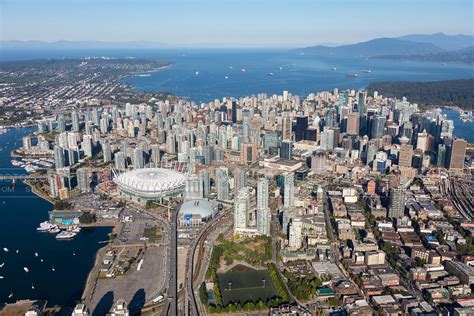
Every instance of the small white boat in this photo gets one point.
(270, 74)
(17, 251)
(226, 77)
(73, 253)
(55, 230)
(281, 68)
(196, 73)
(1, 265)
(243, 70)
(26, 269)
(53, 269)
(45, 226)
(230, 67)
(66, 235)
(5, 249)
(11, 295)
(41, 260)
(334, 69)
(32, 286)
(1, 277)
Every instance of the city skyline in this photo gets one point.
(205, 23)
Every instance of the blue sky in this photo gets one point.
(247, 23)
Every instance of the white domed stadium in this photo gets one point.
(150, 184)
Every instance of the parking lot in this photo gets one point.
(136, 287)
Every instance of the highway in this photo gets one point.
(172, 306)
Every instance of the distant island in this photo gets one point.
(440, 93)
(434, 48)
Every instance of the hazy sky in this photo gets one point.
(257, 23)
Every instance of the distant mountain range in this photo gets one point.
(63, 44)
(436, 47)
(447, 42)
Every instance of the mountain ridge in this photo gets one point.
(374, 47)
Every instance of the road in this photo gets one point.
(172, 306)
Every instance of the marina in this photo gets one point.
(57, 260)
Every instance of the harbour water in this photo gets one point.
(461, 129)
(21, 212)
(201, 75)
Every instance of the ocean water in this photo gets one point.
(21, 212)
(461, 129)
(299, 74)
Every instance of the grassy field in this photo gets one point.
(246, 285)
(153, 234)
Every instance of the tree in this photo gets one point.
(203, 293)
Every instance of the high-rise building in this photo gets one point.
(83, 180)
(405, 155)
(87, 145)
(234, 111)
(104, 125)
(120, 161)
(289, 190)
(106, 152)
(353, 121)
(75, 121)
(318, 161)
(301, 127)
(361, 102)
(240, 180)
(155, 155)
(248, 153)
(206, 182)
(138, 159)
(422, 141)
(59, 160)
(441, 157)
(286, 126)
(193, 187)
(222, 183)
(397, 203)
(295, 232)
(264, 218)
(457, 154)
(262, 193)
(241, 205)
(286, 150)
(378, 126)
(61, 124)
